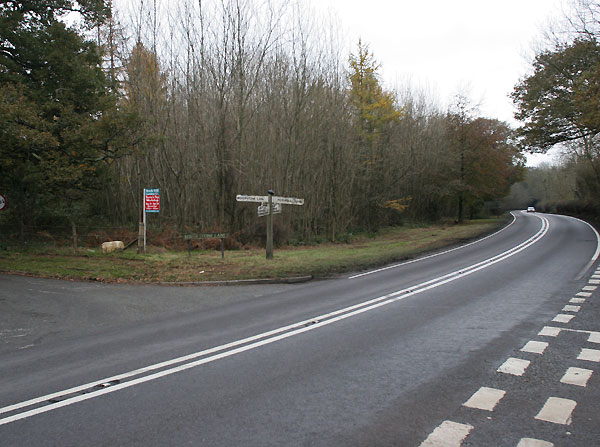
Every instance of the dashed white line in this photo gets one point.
(569, 308)
(485, 399)
(448, 434)
(589, 288)
(536, 347)
(563, 318)
(590, 355)
(594, 337)
(594, 281)
(530, 442)
(514, 366)
(584, 294)
(549, 331)
(577, 376)
(577, 300)
(557, 410)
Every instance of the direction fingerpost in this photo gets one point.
(269, 205)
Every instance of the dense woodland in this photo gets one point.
(207, 100)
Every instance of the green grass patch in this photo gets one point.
(361, 252)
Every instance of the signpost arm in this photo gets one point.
(270, 227)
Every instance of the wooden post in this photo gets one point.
(74, 230)
(140, 247)
(270, 227)
(175, 239)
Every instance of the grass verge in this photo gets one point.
(389, 245)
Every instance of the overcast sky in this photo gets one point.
(478, 47)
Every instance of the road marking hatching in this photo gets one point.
(514, 366)
(590, 355)
(536, 347)
(530, 442)
(557, 410)
(447, 434)
(236, 347)
(563, 318)
(577, 376)
(485, 398)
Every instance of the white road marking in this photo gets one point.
(584, 294)
(530, 442)
(569, 308)
(563, 318)
(485, 399)
(577, 300)
(514, 366)
(256, 341)
(448, 434)
(594, 337)
(589, 288)
(557, 411)
(596, 253)
(594, 281)
(537, 347)
(550, 331)
(577, 376)
(412, 261)
(591, 355)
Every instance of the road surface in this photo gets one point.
(496, 343)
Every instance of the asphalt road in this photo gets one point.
(426, 353)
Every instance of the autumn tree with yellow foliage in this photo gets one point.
(375, 114)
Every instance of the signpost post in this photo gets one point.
(151, 205)
(188, 237)
(272, 206)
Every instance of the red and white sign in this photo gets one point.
(152, 200)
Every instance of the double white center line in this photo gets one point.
(118, 382)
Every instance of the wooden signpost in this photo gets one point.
(270, 205)
(189, 236)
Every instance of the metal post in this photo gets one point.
(222, 248)
(144, 207)
(270, 227)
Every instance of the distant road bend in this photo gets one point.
(384, 357)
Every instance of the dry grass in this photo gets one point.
(159, 265)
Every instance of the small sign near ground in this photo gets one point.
(190, 236)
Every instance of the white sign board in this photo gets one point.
(242, 198)
(263, 210)
(288, 200)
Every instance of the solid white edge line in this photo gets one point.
(347, 312)
(412, 261)
(596, 253)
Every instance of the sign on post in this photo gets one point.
(152, 200)
(2, 202)
(188, 237)
(263, 209)
(269, 205)
(151, 205)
